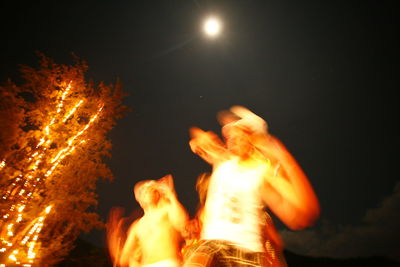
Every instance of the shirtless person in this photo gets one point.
(252, 170)
(155, 238)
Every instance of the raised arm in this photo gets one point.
(115, 237)
(176, 212)
(288, 193)
(207, 145)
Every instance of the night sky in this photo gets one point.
(323, 74)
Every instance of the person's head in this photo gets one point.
(147, 194)
(238, 139)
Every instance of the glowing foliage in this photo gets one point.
(53, 141)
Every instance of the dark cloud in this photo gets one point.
(377, 234)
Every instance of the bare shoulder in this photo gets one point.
(134, 227)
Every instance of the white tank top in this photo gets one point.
(234, 207)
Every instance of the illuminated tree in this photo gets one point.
(52, 148)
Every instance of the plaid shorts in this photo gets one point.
(222, 253)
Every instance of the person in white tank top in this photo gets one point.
(252, 171)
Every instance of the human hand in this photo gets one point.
(206, 144)
(165, 186)
(250, 120)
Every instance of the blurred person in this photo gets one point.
(193, 227)
(273, 244)
(252, 171)
(154, 239)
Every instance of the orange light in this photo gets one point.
(43, 162)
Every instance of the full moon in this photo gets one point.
(212, 27)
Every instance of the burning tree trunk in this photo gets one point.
(53, 141)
